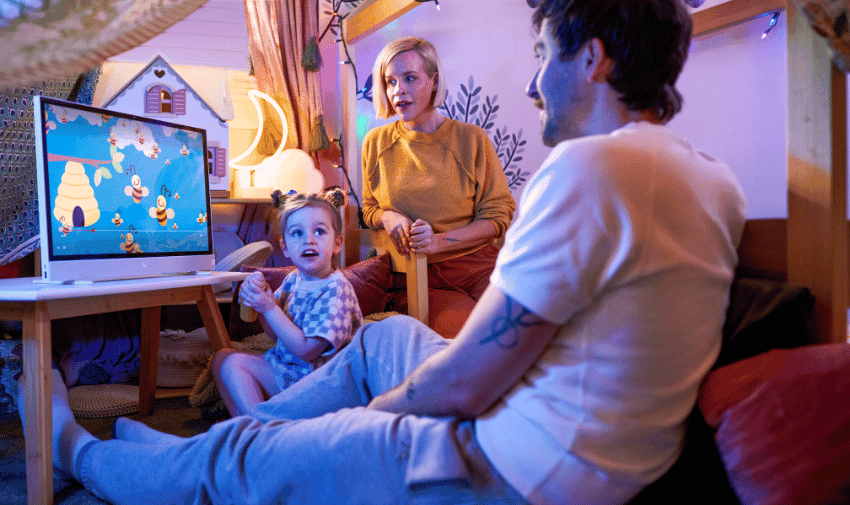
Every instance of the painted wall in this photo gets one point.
(734, 86)
(214, 36)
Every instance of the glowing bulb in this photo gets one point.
(771, 24)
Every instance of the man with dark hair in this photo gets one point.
(572, 378)
(647, 58)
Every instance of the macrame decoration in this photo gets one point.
(310, 59)
(19, 226)
(318, 136)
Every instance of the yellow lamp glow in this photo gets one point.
(286, 169)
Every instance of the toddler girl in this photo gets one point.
(311, 316)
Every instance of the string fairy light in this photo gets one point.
(770, 26)
(436, 2)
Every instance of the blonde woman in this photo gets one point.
(435, 184)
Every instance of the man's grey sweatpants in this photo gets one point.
(315, 443)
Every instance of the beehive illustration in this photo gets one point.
(75, 204)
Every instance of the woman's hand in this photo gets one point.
(398, 228)
(422, 238)
(257, 294)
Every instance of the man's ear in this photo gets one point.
(598, 65)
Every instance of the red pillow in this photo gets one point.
(370, 279)
(783, 424)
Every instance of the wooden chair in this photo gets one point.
(415, 267)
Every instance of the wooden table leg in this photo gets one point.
(37, 410)
(149, 358)
(213, 322)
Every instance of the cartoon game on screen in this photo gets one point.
(122, 185)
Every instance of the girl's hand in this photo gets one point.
(257, 294)
(256, 279)
(422, 238)
(398, 228)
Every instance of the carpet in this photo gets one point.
(171, 415)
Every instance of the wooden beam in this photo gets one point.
(763, 250)
(733, 12)
(817, 176)
(372, 15)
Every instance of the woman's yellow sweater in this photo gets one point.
(448, 178)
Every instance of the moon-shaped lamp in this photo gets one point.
(286, 169)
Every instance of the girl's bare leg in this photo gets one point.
(243, 380)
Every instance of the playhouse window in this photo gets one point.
(160, 99)
(211, 160)
(164, 100)
(216, 161)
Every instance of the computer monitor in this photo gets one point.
(120, 196)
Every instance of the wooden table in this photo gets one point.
(35, 304)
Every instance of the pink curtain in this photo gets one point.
(277, 33)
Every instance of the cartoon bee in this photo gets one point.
(117, 219)
(175, 226)
(66, 229)
(136, 190)
(64, 118)
(105, 118)
(112, 140)
(167, 162)
(129, 245)
(184, 151)
(138, 131)
(176, 196)
(160, 213)
(154, 151)
(202, 218)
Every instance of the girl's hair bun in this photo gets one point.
(335, 195)
(279, 198)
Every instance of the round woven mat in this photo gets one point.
(103, 400)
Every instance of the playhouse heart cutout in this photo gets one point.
(159, 73)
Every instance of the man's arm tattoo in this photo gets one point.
(410, 390)
(505, 328)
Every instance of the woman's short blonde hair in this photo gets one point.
(383, 107)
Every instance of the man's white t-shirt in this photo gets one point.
(628, 241)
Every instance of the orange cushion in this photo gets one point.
(447, 309)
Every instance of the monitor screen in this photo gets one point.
(115, 186)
